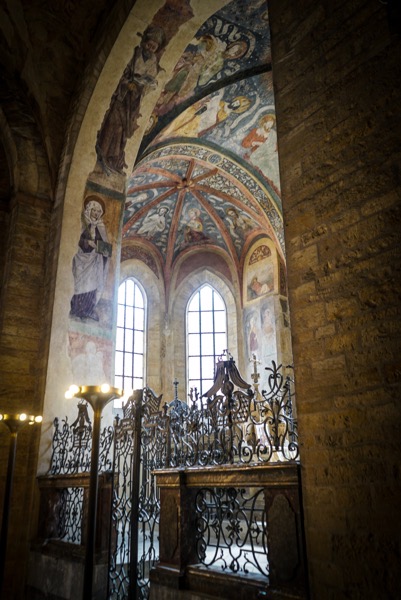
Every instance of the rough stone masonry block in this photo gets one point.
(334, 81)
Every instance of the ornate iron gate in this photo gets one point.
(232, 424)
(241, 426)
(140, 447)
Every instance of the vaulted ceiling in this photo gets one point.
(206, 174)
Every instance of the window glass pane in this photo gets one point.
(137, 383)
(211, 322)
(118, 382)
(207, 321)
(139, 318)
(138, 364)
(207, 367)
(207, 344)
(206, 298)
(130, 336)
(128, 340)
(127, 364)
(218, 302)
(119, 363)
(139, 302)
(194, 304)
(193, 344)
(193, 322)
(139, 337)
(127, 384)
(130, 288)
(220, 343)
(129, 317)
(194, 367)
(120, 339)
(220, 322)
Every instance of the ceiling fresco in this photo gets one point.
(183, 196)
(223, 49)
(207, 174)
(239, 117)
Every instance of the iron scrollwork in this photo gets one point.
(231, 530)
(233, 423)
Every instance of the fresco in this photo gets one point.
(90, 359)
(241, 117)
(91, 303)
(139, 77)
(196, 228)
(260, 336)
(259, 274)
(230, 42)
(120, 120)
(90, 264)
(260, 328)
(183, 202)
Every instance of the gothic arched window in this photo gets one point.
(130, 337)
(206, 337)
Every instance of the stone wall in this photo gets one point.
(336, 68)
(22, 363)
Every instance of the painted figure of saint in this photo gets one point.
(261, 143)
(258, 135)
(90, 263)
(217, 55)
(253, 344)
(120, 121)
(240, 225)
(227, 108)
(257, 288)
(194, 228)
(154, 222)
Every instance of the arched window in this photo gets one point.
(206, 337)
(130, 338)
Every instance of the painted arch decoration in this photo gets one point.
(185, 195)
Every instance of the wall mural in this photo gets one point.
(139, 77)
(209, 177)
(229, 43)
(91, 261)
(90, 324)
(259, 311)
(90, 358)
(120, 120)
(259, 274)
(241, 117)
(178, 202)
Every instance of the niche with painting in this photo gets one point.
(260, 296)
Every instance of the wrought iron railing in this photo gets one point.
(231, 529)
(232, 424)
(70, 521)
(72, 445)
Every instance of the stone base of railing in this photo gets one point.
(180, 573)
(56, 566)
(198, 583)
(56, 572)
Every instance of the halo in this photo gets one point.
(94, 198)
